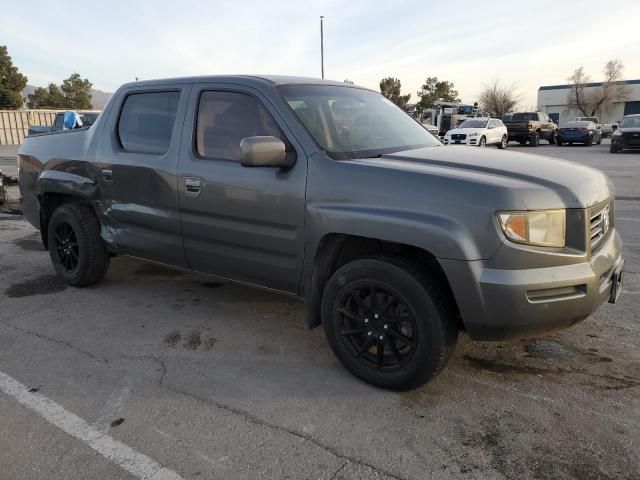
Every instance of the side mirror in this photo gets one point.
(614, 127)
(264, 151)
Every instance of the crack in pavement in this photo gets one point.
(246, 416)
(250, 418)
(338, 470)
(65, 343)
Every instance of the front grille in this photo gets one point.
(632, 138)
(600, 224)
(458, 136)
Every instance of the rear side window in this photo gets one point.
(225, 118)
(146, 122)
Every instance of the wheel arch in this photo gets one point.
(49, 202)
(54, 188)
(337, 249)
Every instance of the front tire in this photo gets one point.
(76, 249)
(388, 323)
(503, 143)
(483, 142)
(613, 149)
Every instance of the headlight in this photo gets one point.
(617, 133)
(545, 228)
(474, 134)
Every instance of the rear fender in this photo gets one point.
(55, 181)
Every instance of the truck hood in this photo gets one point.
(536, 181)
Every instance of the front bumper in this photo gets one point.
(500, 304)
(622, 143)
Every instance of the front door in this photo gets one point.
(137, 161)
(240, 223)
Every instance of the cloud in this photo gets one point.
(467, 42)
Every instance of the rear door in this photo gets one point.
(240, 223)
(137, 160)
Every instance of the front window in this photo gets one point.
(524, 117)
(475, 123)
(348, 122)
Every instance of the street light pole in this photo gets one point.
(321, 45)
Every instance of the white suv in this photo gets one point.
(481, 131)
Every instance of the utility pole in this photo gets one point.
(321, 45)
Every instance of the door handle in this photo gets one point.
(192, 186)
(107, 175)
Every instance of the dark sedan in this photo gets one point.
(627, 135)
(579, 132)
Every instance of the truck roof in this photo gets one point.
(244, 79)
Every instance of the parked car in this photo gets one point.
(394, 241)
(86, 120)
(481, 131)
(605, 129)
(531, 127)
(627, 135)
(576, 131)
(432, 129)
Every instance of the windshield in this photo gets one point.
(630, 122)
(475, 123)
(349, 122)
(524, 117)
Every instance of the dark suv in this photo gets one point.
(627, 135)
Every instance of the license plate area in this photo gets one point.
(617, 281)
(457, 141)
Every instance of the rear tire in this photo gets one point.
(503, 143)
(559, 143)
(589, 142)
(553, 139)
(388, 323)
(76, 249)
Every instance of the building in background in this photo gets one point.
(552, 99)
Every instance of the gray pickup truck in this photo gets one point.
(330, 193)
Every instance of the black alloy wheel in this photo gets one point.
(66, 246)
(377, 326)
(387, 322)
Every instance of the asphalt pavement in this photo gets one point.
(159, 374)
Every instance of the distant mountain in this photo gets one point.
(98, 98)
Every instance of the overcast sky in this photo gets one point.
(466, 42)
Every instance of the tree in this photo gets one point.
(497, 100)
(50, 97)
(433, 90)
(77, 92)
(12, 82)
(391, 88)
(591, 100)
